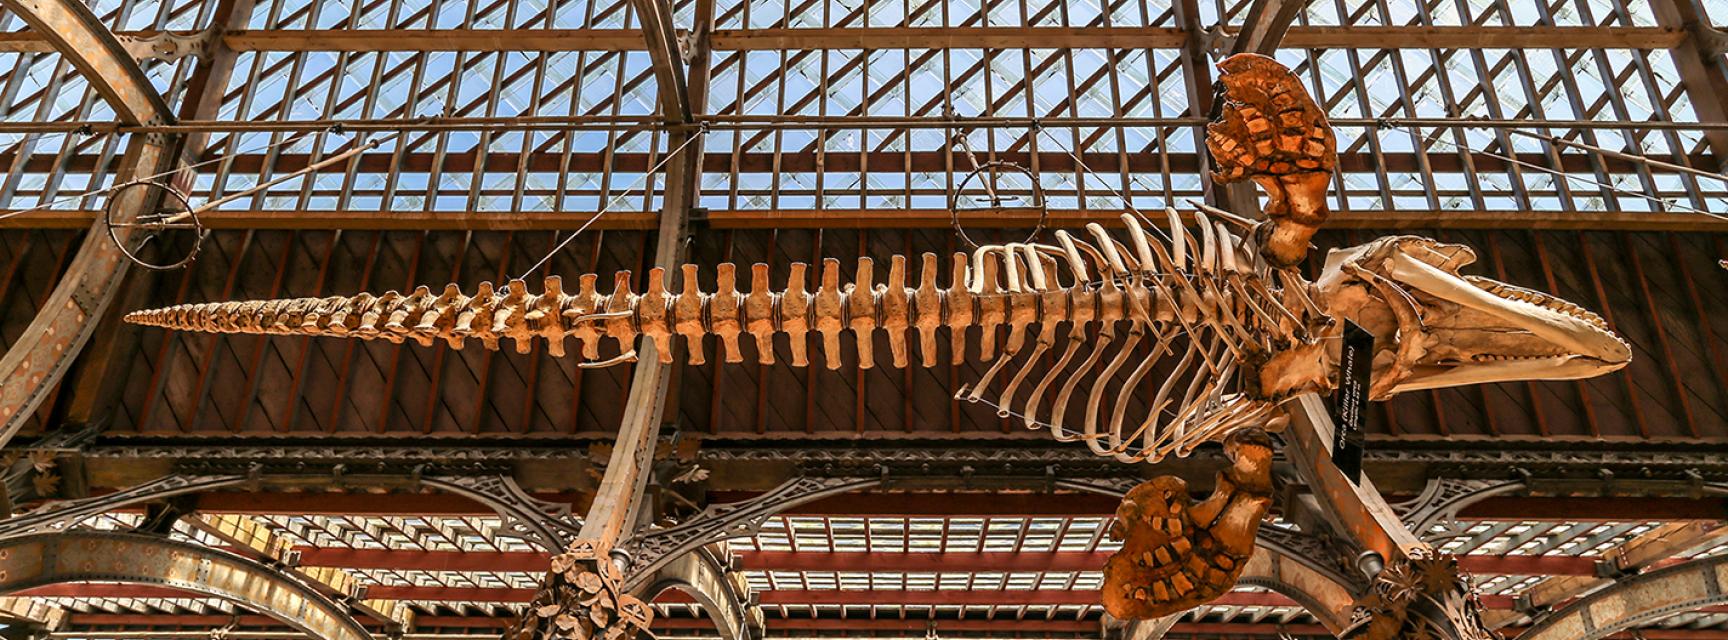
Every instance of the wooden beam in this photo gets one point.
(661, 39)
(210, 77)
(1415, 37)
(1105, 163)
(950, 38)
(474, 40)
(871, 38)
(414, 220)
(1403, 219)
(906, 561)
(1662, 543)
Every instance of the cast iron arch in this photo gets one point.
(1637, 600)
(99, 556)
(703, 576)
(40, 357)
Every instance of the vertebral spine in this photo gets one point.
(1015, 285)
(1204, 297)
(1206, 300)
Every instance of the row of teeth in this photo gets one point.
(1487, 357)
(1543, 300)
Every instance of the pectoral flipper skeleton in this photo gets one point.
(1144, 341)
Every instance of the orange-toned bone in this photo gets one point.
(1271, 131)
(1176, 556)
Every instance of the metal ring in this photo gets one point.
(1037, 199)
(197, 225)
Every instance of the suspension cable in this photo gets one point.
(700, 132)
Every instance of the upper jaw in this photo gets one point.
(1585, 344)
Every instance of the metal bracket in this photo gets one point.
(1216, 42)
(1443, 498)
(548, 525)
(1606, 569)
(166, 46)
(686, 39)
(60, 516)
(1311, 551)
(647, 551)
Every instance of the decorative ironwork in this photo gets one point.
(60, 516)
(404, 456)
(1321, 555)
(1492, 464)
(1030, 459)
(1307, 600)
(167, 46)
(1423, 596)
(1116, 486)
(1442, 500)
(548, 525)
(648, 551)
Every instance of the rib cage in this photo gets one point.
(1201, 296)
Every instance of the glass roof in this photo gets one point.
(1025, 592)
(582, 168)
